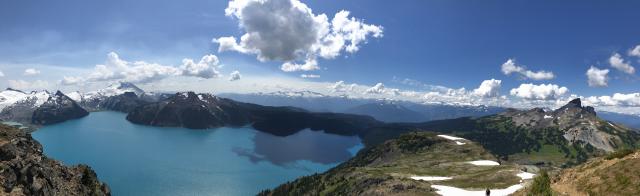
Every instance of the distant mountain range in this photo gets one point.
(16, 105)
(382, 109)
(390, 110)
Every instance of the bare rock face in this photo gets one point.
(579, 123)
(24, 170)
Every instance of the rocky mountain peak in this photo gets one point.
(576, 104)
(59, 94)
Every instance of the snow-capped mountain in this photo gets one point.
(19, 106)
(10, 97)
(114, 89)
(43, 107)
(57, 108)
(121, 96)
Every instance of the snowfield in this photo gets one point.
(452, 138)
(453, 191)
(9, 97)
(526, 175)
(484, 163)
(431, 178)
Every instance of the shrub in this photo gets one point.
(541, 185)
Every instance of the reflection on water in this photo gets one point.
(307, 145)
(144, 160)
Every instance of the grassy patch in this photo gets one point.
(619, 154)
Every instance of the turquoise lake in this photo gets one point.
(143, 160)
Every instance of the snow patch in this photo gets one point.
(431, 178)
(547, 116)
(525, 175)
(75, 95)
(451, 137)
(484, 163)
(453, 191)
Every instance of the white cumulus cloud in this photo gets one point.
(597, 77)
(341, 86)
(635, 51)
(618, 62)
(308, 65)
(289, 31)
(377, 89)
(1, 74)
(235, 75)
(488, 88)
(510, 67)
(618, 99)
(31, 72)
(539, 92)
(117, 69)
(207, 67)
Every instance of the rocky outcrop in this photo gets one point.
(58, 108)
(577, 122)
(24, 170)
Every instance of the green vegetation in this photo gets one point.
(543, 146)
(385, 169)
(541, 185)
(619, 154)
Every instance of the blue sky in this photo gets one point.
(453, 44)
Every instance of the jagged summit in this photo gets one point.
(576, 104)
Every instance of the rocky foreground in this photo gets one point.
(24, 170)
